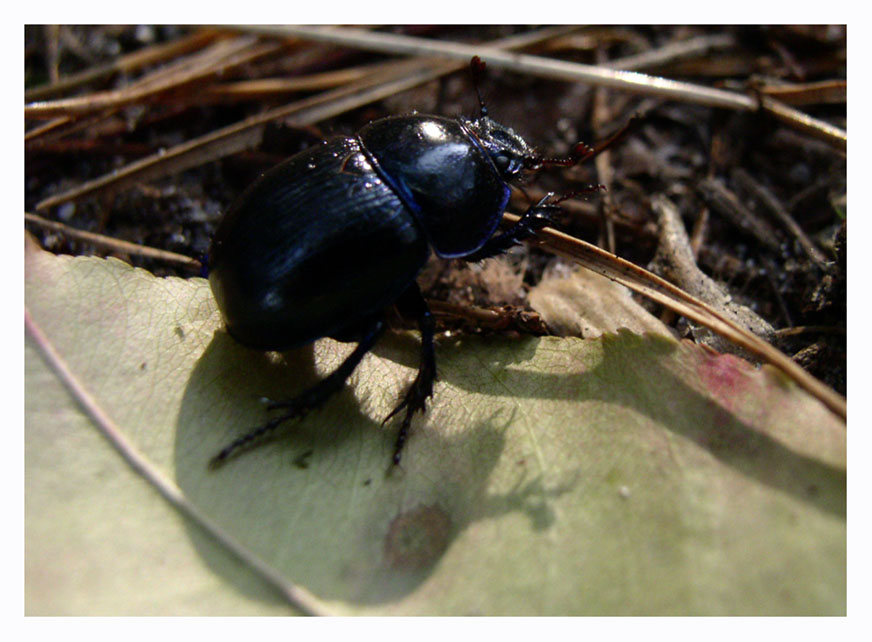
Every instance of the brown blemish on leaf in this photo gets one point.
(417, 538)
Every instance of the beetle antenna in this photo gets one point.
(476, 68)
(590, 189)
(581, 152)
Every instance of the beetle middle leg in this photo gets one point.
(412, 304)
(310, 399)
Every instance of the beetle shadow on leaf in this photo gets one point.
(346, 526)
(445, 489)
(636, 372)
(225, 397)
(746, 448)
(229, 393)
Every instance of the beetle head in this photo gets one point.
(509, 152)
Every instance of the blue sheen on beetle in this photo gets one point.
(323, 243)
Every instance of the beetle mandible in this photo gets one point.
(323, 243)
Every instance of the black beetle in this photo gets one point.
(320, 245)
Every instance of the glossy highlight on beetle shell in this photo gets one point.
(443, 175)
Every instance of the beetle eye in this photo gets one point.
(502, 162)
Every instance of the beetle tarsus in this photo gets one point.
(240, 443)
(414, 401)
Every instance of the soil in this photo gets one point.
(726, 171)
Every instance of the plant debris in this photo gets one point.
(146, 134)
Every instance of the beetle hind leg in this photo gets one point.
(412, 304)
(308, 400)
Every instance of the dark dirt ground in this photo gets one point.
(729, 172)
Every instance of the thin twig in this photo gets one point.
(297, 596)
(725, 202)
(216, 59)
(313, 82)
(767, 198)
(507, 318)
(564, 70)
(825, 92)
(661, 291)
(673, 52)
(601, 115)
(81, 112)
(113, 244)
(396, 77)
(521, 63)
(675, 261)
(248, 133)
(63, 126)
(821, 130)
(809, 329)
(124, 64)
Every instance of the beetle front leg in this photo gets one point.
(534, 219)
(412, 304)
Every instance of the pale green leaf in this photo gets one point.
(621, 475)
